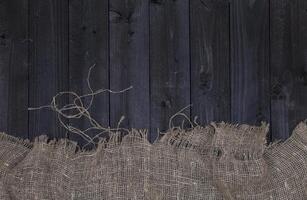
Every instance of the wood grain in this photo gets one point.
(48, 70)
(288, 33)
(242, 61)
(210, 90)
(14, 67)
(250, 79)
(88, 45)
(169, 62)
(129, 62)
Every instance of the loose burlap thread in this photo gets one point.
(217, 161)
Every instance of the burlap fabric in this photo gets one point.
(218, 161)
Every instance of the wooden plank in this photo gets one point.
(169, 62)
(129, 63)
(4, 63)
(250, 79)
(14, 67)
(48, 70)
(210, 80)
(288, 33)
(88, 45)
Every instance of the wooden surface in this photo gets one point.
(210, 60)
(169, 62)
(249, 66)
(48, 63)
(89, 45)
(129, 63)
(288, 43)
(14, 67)
(240, 61)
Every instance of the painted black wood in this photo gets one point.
(14, 67)
(210, 80)
(234, 60)
(250, 72)
(169, 62)
(129, 63)
(48, 68)
(88, 45)
(288, 39)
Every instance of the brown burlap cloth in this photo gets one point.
(218, 161)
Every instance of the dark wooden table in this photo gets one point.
(242, 61)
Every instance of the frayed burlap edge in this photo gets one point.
(176, 137)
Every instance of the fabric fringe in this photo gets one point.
(15, 140)
(175, 137)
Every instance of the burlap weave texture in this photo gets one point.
(218, 161)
